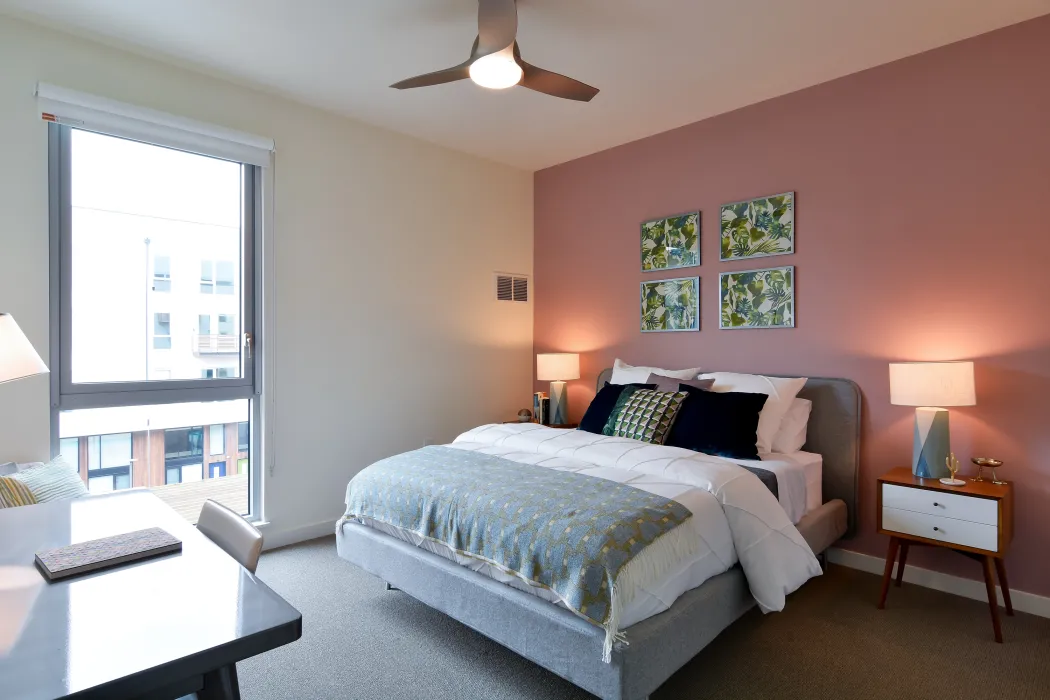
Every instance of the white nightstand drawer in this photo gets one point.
(935, 527)
(950, 505)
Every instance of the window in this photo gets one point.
(69, 448)
(183, 443)
(217, 439)
(216, 469)
(162, 273)
(227, 324)
(183, 474)
(109, 462)
(129, 215)
(162, 331)
(242, 437)
(224, 277)
(183, 455)
(207, 279)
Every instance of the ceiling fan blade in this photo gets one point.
(497, 25)
(449, 75)
(555, 84)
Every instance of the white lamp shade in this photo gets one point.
(932, 384)
(17, 357)
(557, 366)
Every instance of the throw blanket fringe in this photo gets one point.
(654, 563)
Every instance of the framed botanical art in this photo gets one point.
(758, 227)
(757, 298)
(671, 305)
(671, 242)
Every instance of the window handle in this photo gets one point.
(248, 344)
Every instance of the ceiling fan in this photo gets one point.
(496, 63)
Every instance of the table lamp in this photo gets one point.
(929, 386)
(18, 359)
(557, 367)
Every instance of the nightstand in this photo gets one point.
(976, 520)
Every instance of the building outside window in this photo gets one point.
(204, 324)
(162, 273)
(227, 324)
(217, 440)
(224, 277)
(109, 462)
(69, 448)
(162, 331)
(207, 277)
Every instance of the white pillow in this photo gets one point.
(792, 434)
(624, 373)
(781, 393)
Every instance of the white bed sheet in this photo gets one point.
(799, 476)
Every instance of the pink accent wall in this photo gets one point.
(923, 233)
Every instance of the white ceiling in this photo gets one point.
(660, 64)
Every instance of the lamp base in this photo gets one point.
(931, 445)
(559, 404)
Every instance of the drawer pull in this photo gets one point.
(936, 529)
(936, 504)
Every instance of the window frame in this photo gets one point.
(79, 395)
(68, 396)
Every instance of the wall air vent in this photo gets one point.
(512, 287)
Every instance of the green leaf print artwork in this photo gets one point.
(759, 227)
(757, 298)
(671, 305)
(671, 242)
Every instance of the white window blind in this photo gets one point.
(81, 110)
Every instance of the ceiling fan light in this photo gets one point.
(497, 71)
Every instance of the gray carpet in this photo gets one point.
(363, 642)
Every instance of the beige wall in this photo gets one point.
(384, 334)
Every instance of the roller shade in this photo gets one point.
(81, 110)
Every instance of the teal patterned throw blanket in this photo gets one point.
(574, 534)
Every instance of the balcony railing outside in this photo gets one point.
(215, 344)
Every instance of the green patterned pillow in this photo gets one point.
(52, 481)
(617, 409)
(648, 415)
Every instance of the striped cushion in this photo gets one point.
(52, 481)
(648, 415)
(14, 493)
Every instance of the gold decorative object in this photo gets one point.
(953, 466)
(983, 462)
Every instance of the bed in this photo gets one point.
(660, 642)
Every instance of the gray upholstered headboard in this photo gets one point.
(834, 433)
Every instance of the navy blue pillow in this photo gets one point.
(718, 423)
(597, 414)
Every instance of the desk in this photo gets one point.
(159, 628)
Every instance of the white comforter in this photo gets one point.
(735, 517)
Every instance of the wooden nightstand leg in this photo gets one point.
(993, 602)
(891, 555)
(900, 564)
(1000, 568)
